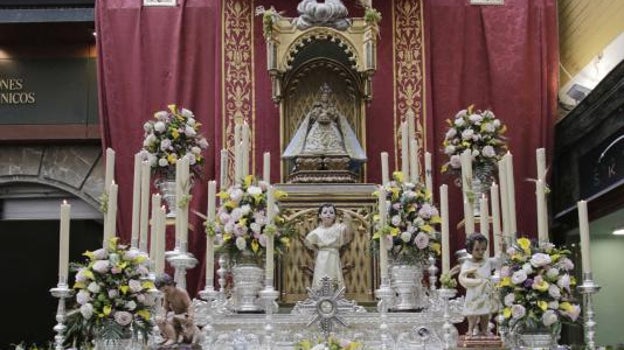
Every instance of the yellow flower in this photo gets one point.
(542, 285)
(124, 289)
(507, 312)
(106, 310)
(144, 313)
(175, 133)
(147, 284)
(436, 248)
(565, 306)
(255, 246)
(172, 158)
(542, 305)
(505, 282)
(525, 244)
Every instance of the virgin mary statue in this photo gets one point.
(325, 132)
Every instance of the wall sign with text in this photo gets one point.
(603, 166)
(48, 91)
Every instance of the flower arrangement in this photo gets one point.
(536, 286)
(333, 343)
(242, 224)
(112, 294)
(411, 221)
(480, 132)
(170, 136)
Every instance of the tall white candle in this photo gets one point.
(405, 151)
(136, 201)
(466, 174)
(212, 189)
(109, 174)
(540, 156)
(428, 173)
(266, 167)
(504, 199)
(584, 232)
(484, 222)
(411, 125)
(383, 250)
(238, 161)
(145, 194)
(385, 175)
(184, 210)
(271, 204)
(154, 226)
(178, 191)
(511, 193)
(64, 242)
(413, 161)
(223, 178)
(111, 214)
(444, 211)
(542, 214)
(246, 148)
(496, 228)
(160, 251)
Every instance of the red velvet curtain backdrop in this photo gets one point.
(149, 57)
(503, 58)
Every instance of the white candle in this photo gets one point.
(136, 201)
(111, 214)
(542, 214)
(385, 175)
(584, 231)
(496, 229)
(212, 194)
(466, 174)
(428, 173)
(446, 259)
(410, 117)
(109, 175)
(405, 151)
(245, 148)
(223, 178)
(64, 242)
(266, 167)
(238, 165)
(484, 222)
(154, 226)
(145, 193)
(159, 262)
(383, 250)
(185, 208)
(271, 204)
(540, 156)
(178, 191)
(511, 193)
(504, 199)
(413, 161)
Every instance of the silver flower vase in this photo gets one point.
(167, 188)
(248, 278)
(527, 338)
(406, 281)
(116, 344)
(482, 178)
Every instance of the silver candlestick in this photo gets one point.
(269, 296)
(61, 292)
(433, 271)
(588, 289)
(449, 329)
(158, 311)
(181, 262)
(385, 294)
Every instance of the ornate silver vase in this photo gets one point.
(247, 284)
(406, 281)
(167, 187)
(116, 344)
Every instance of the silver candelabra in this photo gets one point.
(588, 289)
(62, 292)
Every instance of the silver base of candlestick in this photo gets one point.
(433, 272)
(385, 294)
(269, 298)
(181, 262)
(449, 330)
(588, 289)
(62, 292)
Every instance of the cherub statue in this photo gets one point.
(327, 239)
(177, 325)
(475, 276)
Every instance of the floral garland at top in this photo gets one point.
(170, 136)
(112, 292)
(411, 219)
(536, 286)
(242, 226)
(480, 132)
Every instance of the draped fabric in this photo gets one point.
(503, 58)
(149, 57)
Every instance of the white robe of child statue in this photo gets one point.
(327, 238)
